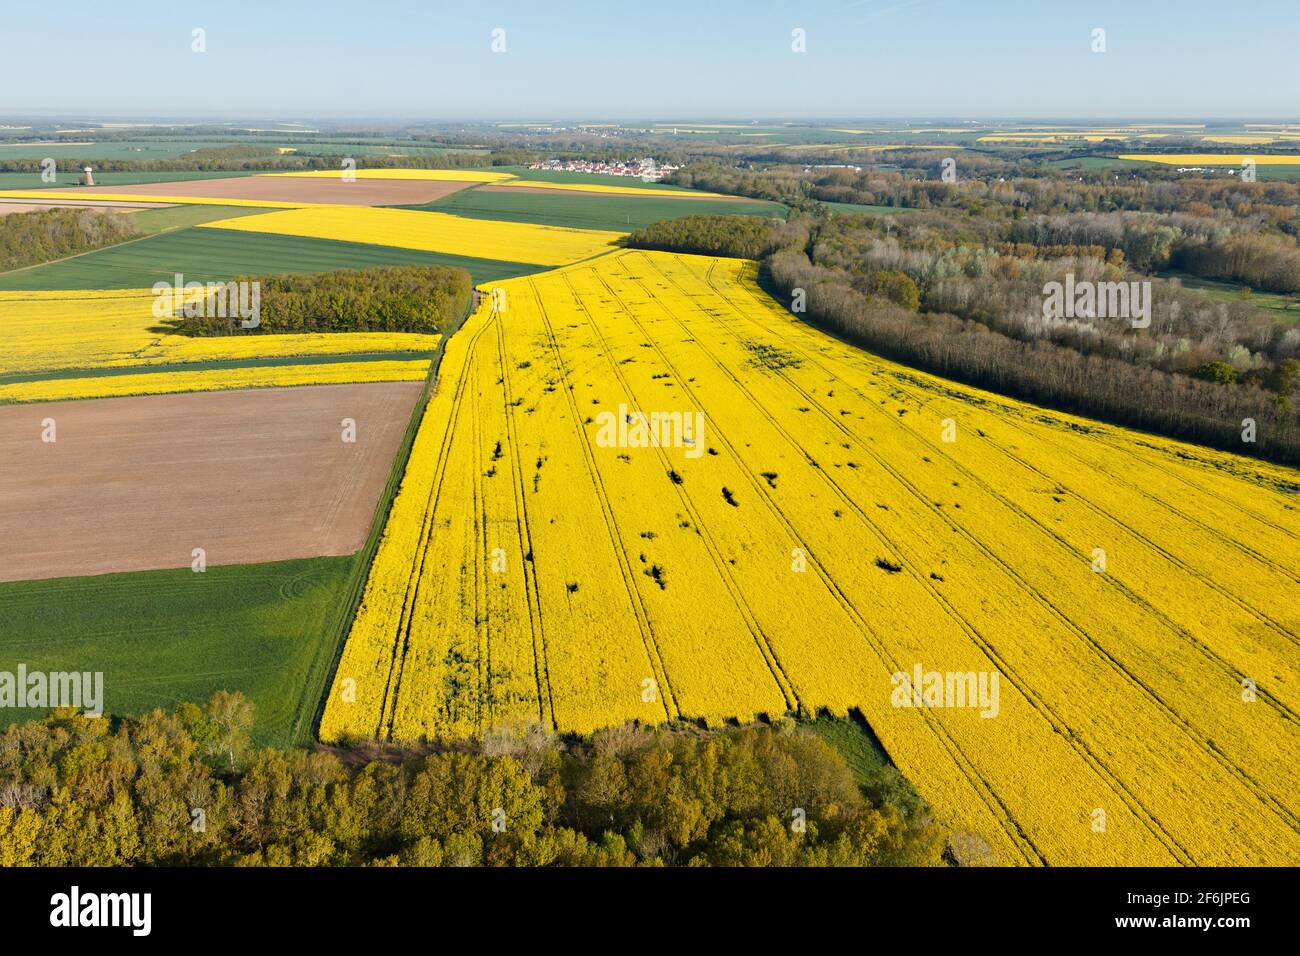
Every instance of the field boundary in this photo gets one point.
(117, 371)
(364, 558)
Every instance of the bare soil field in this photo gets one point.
(305, 189)
(133, 484)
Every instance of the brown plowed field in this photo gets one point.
(304, 189)
(133, 484)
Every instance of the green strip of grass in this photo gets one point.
(150, 222)
(872, 769)
(211, 255)
(163, 637)
(68, 179)
(215, 364)
(593, 211)
(1281, 306)
(85, 146)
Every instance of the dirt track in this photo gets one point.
(362, 192)
(135, 484)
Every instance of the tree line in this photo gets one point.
(31, 237)
(424, 299)
(265, 158)
(1223, 229)
(707, 235)
(186, 788)
(913, 292)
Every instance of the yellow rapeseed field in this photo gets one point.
(1215, 159)
(609, 188)
(65, 333)
(211, 380)
(431, 232)
(1131, 605)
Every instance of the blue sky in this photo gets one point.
(657, 59)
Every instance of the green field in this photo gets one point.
(67, 178)
(163, 637)
(1277, 172)
(592, 211)
(372, 149)
(1262, 170)
(79, 146)
(205, 255)
(150, 222)
(1280, 305)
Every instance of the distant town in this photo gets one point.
(646, 169)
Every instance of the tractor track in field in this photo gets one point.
(654, 656)
(1240, 546)
(1285, 711)
(537, 626)
(482, 628)
(1097, 509)
(988, 794)
(1253, 786)
(1036, 700)
(1053, 435)
(402, 643)
(763, 644)
(1182, 480)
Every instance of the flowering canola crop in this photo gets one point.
(58, 335)
(211, 380)
(837, 520)
(1215, 159)
(431, 232)
(615, 189)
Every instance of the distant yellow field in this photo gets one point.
(1215, 159)
(832, 522)
(442, 175)
(612, 188)
(211, 380)
(432, 232)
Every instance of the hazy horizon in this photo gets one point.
(915, 60)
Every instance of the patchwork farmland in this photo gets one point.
(163, 441)
(484, 556)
